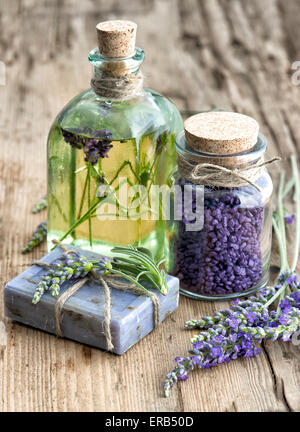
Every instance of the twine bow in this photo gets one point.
(209, 174)
(107, 281)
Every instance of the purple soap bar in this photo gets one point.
(83, 314)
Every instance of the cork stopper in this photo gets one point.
(116, 39)
(221, 132)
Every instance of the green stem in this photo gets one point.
(279, 228)
(54, 199)
(73, 190)
(124, 164)
(278, 293)
(282, 252)
(81, 220)
(83, 196)
(283, 266)
(281, 221)
(153, 168)
(131, 279)
(79, 170)
(297, 221)
(89, 205)
(288, 187)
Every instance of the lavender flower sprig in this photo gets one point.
(237, 331)
(37, 238)
(289, 218)
(249, 306)
(69, 266)
(238, 335)
(135, 265)
(94, 148)
(40, 205)
(205, 355)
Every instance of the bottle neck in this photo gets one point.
(117, 79)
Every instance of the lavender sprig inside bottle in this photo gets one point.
(95, 144)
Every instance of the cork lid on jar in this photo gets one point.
(116, 39)
(220, 132)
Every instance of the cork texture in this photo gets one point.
(221, 132)
(116, 39)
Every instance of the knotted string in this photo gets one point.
(103, 280)
(117, 87)
(209, 174)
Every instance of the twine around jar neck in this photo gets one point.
(118, 88)
(209, 174)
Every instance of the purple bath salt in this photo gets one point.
(224, 257)
(224, 211)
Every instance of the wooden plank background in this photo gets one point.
(203, 54)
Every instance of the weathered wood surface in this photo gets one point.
(202, 53)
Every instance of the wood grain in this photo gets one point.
(202, 54)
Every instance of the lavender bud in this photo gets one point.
(37, 238)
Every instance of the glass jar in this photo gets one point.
(106, 150)
(228, 254)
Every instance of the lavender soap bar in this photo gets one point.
(83, 314)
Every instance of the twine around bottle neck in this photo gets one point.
(117, 87)
(217, 175)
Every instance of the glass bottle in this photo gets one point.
(107, 149)
(227, 254)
